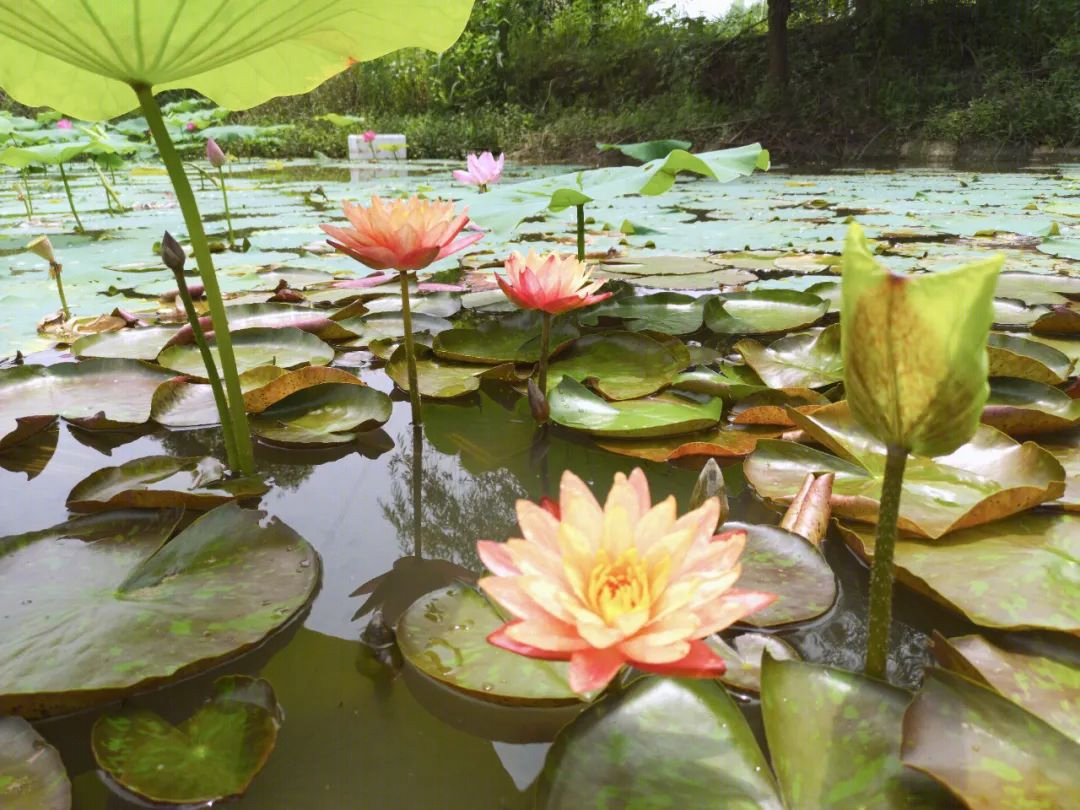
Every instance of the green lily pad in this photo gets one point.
(744, 658)
(575, 406)
(797, 361)
(644, 152)
(986, 479)
(31, 453)
(142, 609)
(668, 312)
(278, 316)
(183, 402)
(989, 751)
(763, 311)
(620, 365)
(131, 344)
(834, 737)
(326, 414)
(1037, 288)
(285, 347)
(1069, 458)
(284, 384)
(1046, 687)
(1012, 356)
(439, 305)
(1018, 573)
(660, 743)
(444, 634)
(213, 755)
(32, 775)
(438, 378)
(729, 381)
(1025, 408)
(778, 561)
(379, 325)
(156, 482)
(510, 338)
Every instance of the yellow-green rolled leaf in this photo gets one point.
(79, 56)
(914, 347)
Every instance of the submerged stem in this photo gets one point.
(410, 348)
(581, 233)
(71, 202)
(545, 348)
(881, 574)
(236, 412)
(225, 198)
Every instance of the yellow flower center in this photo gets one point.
(620, 587)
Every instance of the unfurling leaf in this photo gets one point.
(808, 514)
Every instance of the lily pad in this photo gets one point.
(763, 311)
(986, 479)
(277, 316)
(1060, 320)
(668, 312)
(810, 360)
(781, 562)
(437, 378)
(1025, 408)
(1069, 457)
(662, 742)
(575, 406)
(1046, 687)
(285, 347)
(131, 344)
(326, 414)
(1030, 561)
(32, 775)
(32, 453)
(444, 634)
(257, 400)
(729, 381)
(718, 442)
(775, 406)
(391, 325)
(212, 756)
(183, 402)
(156, 482)
(989, 751)
(620, 365)
(1012, 356)
(744, 657)
(644, 152)
(142, 609)
(511, 338)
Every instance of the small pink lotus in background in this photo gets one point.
(191, 126)
(481, 171)
(369, 136)
(549, 283)
(628, 583)
(63, 123)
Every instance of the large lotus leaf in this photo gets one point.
(239, 53)
(834, 737)
(986, 479)
(32, 775)
(989, 751)
(1046, 687)
(326, 414)
(1025, 408)
(511, 338)
(285, 347)
(719, 442)
(1012, 356)
(760, 312)
(745, 655)
(155, 482)
(1017, 573)
(132, 344)
(213, 755)
(575, 406)
(668, 312)
(438, 378)
(797, 361)
(138, 610)
(620, 365)
(105, 391)
(778, 561)
(444, 634)
(183, 402)
(19, 157)
(644, 152)
(661, 743)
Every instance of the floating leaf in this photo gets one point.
(1060, 320)
(326, 414)
(744, 655)
(285, 347)
(1025, 408)
(213, 755)
(719, 442)
(140, 610)
(183, 402)
(620, 365)
(507, 339)
(775, 406)
(763, 311)
(668, 312)
(727, 380)
(257, 400)
(131, 344)
(797, 361)
(438, 378)
(575, 406)
(30, 453)
(644, 152)
(1069, 458)
(391, 325)
(1012, 356)
(32, 775)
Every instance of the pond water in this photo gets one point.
(358, 733)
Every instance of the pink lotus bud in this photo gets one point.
(369, 136)
(190, 126)
(214, 154)
(63, 123)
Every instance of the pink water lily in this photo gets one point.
(481, 171)
(626, 583)
(369, 136)
(550, 283)
(191, 126)
(63, 123)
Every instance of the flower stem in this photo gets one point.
(71, 202)
(54, 270)
(410, 348)
(211, 368)
(881, 574)
(545, 349)
(28, 201)
(417, 491)
(581, 233)
(225, 198)
(236, 412)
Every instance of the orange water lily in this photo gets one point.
(549, 283)
(628, 583)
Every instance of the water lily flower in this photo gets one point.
(190, 126)
(369, 136)
(481, 171)
(217, 159)
(214, 154)
(626, 583)
(63, 123)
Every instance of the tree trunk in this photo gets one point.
(779, 11)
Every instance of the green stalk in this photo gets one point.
(545, 348)
(410, 348)
(581, 233)
(71, 202)
(881, 574)
(110, 195)
(417, 492)
(54, 270)
(236, 412)
(28, 201)
(211, 368)
(225, 197)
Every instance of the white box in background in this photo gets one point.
(384, 147)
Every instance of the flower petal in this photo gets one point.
(592, 670)
(699, 662)
(500, 638)
(496, 558)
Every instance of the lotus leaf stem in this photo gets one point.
(28, 201)
(54, 271)
(881, 574)
(71, 202)
(225, 199)
(236, 412)
(581, 233)
(410, 348)
(545, 348)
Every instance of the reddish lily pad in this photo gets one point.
(257, 400)
(1026, 408)
(1013, 356)
(773, 407)
(1060, 320)
(32, 775)
(719, 442)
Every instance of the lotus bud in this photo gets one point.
(43, 247)
(214, 154)
(914, 348)
(172, 254)
(710, 484)
(808, 514)
(538, 403)
(369, 136)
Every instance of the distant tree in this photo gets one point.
(778, 13)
